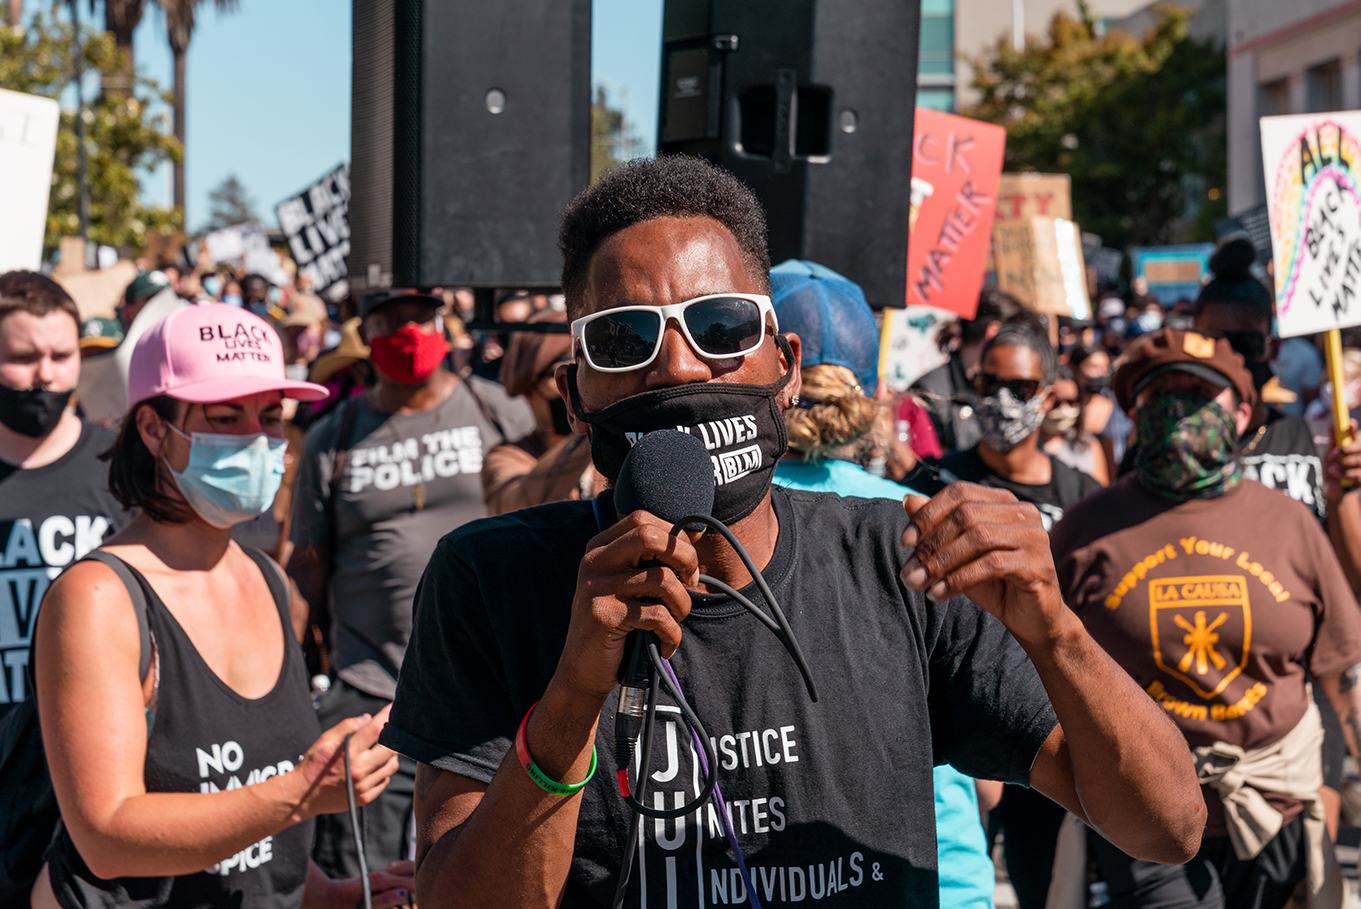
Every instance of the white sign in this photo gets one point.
(28, 142)
(230, 244)
(317, 227)
(1313, 179)
(908, 349)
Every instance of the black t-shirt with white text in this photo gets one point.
(50, 516)
(1066, 486)
(829, 801)
(1281, 454)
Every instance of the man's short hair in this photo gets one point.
(30, 292)
(1023, 334)
(667, 186)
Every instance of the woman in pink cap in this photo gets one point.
(182, 741)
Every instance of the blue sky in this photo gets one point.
(269, 89)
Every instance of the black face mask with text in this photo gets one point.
(742, 426)
(33, 412)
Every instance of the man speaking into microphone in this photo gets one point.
(934, 633)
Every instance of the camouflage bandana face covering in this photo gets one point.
(1006, 421)
(1185, 447)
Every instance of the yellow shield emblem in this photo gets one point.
(1197, 625)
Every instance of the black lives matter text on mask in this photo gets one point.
(30, 557)
(718, 435)
(684, 862)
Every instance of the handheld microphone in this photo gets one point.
(668, 474)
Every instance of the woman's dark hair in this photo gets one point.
(1233, 282)
(136, 476)
(1081, 353)
(1023, 334)
(993, 306)
(667, 186)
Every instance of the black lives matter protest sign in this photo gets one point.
(1313, 178)
(316, 224)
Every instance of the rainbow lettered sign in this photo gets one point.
(1313, 179)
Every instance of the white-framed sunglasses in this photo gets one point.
(718, 326)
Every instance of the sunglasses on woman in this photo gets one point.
(718, 326)
(988, 385)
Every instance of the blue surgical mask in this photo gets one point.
(231, 479)
(212, 285)
(231, 299)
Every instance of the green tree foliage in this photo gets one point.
(1138, 123)
(123, 136)
(229, 203)
(609, 134)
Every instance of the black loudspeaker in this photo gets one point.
(810, 103)
(470, 131)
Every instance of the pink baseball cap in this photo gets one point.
(212, 352)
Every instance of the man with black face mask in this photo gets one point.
(55, 503)
(1013, 384)
(919, 657)
(1222, 600)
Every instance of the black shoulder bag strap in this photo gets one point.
(319, 614)
(486, 411)
(349, 416)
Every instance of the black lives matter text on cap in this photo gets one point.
(240, 342)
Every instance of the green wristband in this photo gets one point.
(541, 779)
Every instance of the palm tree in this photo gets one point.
(120, 20)
(179, 21)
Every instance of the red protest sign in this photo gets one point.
(956, 163)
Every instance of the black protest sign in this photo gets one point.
(316, 225)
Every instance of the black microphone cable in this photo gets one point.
(354, 825)
(631, 715)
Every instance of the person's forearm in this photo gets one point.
(515, 849)
(1131, 770)
(1344, 693)
(1344, 530)
(161, 834)
(552, 479)
(317, 892)
(308, 569)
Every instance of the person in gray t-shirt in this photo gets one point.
(410, 454)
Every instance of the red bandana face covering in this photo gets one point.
(408, 355)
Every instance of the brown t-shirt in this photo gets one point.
(1216, 607)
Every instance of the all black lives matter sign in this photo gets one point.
(317, 226)
(1313, 179)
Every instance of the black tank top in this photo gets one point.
(204, 737)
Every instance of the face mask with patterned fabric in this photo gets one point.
(1184, 447)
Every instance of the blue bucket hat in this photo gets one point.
(829, 314)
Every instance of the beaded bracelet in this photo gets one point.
(540, 778)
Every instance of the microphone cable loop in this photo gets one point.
(660, 676)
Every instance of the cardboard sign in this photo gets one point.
(1039, 262)
(1173, 272)
(907, 344)
(1313, 179)
(28, 142)
(1021, 197)
(955, 166)
(316, 225)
